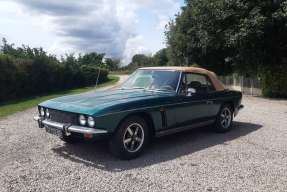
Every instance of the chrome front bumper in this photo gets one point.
(68, 128)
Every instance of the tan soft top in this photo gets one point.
(216, 83)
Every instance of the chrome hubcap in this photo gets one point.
(133, 137)
(225, 118)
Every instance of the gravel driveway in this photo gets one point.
(252, 157)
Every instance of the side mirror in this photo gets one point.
(190, 91)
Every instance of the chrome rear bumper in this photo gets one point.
(238, 109)
(68, 128)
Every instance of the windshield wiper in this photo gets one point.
(133, 88)
(165, 90)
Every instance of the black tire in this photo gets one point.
(127, 143)
(224, 119)
(69, 139)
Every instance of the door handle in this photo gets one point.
(209, 102)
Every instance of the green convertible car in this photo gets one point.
(152, 102)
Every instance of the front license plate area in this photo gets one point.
(54, 131)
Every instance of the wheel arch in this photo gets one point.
(146, 116)
(231, 104)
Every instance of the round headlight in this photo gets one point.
(42, 111)
(47, 113)
(82, 120)
(91, 122)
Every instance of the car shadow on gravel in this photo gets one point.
(161, 150)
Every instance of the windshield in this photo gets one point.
(153, 80)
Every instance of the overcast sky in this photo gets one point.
(119, 28)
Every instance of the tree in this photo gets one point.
(112, 64)
(244, 36)
(93, 58)
(140, 60)
(160, 58)
(230, 35)
(24, 52)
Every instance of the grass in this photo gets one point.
(23, 104)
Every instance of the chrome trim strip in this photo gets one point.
(183, 128)
(79, 129)
(53, 124)
(71, 128)
(239, 108)
(178, 83)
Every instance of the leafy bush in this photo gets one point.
(29, 72)
(274, 83)
(91, 74)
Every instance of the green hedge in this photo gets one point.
(274, 82)
(30, 77)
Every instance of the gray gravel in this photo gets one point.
(252, 157)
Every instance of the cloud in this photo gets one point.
(106, 26)
(165, 11)
(134, 46)
(60, 8)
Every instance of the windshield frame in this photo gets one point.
(155, 90)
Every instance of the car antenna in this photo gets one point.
(98, 77)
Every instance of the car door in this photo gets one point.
(195, 108)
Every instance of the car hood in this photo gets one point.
(93, 102)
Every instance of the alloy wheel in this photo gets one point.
(225, 118)
(133, 137)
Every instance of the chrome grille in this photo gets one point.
(63, 117)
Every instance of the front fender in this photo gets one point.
(111, 121)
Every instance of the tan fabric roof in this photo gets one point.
(217, 84)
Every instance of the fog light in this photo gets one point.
(82, 120)
(91, 122)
